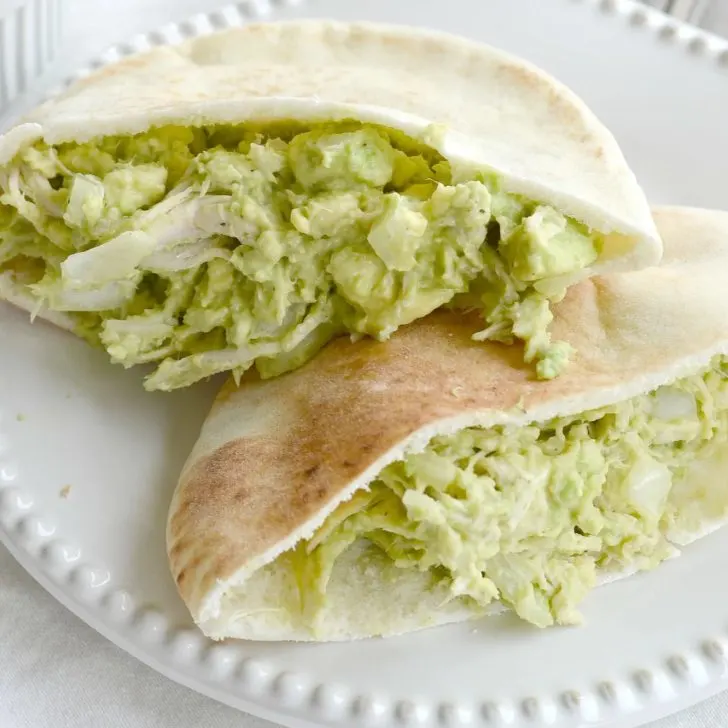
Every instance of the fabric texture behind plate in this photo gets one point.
(30, 34)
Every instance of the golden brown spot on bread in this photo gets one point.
(175, 550)
(134, 63)
(519, 74)
(310, 472)
(241, 497)
(181, 577)
(189, 568)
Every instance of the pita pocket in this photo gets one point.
(387, 487)
(242, 198)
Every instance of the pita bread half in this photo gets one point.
(491, 110)
(275, 458)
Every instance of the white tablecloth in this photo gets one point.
(55, 672)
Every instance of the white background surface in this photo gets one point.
(56, 671)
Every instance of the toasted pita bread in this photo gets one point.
(496, 112)
(275, 458)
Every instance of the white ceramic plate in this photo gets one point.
(653, 644)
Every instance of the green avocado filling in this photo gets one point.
(214, 249)
(528, 515)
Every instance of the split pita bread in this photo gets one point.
(275, 458)
(492, 110)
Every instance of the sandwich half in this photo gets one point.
(239, 200)
(387, 487)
